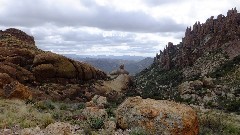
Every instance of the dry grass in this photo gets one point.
(16, 112)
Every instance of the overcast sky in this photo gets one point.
(111, 27)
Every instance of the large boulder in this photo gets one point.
(17, 90)
(50, 65)
(59, 65)
(159, 117)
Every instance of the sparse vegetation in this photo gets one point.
(158, 83)
(227, 67)
(16, 112)
(96, 123)
(219, 123)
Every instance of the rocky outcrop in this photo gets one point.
(23, 62)
(97, 101)
(16, 90)
(157, 116)
(120, 71)
(18, 52)
(114, 89)
(220, 34)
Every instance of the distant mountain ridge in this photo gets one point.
(123, 57)
(107, 64)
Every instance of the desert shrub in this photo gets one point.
(110, 112)
(81, 106)
(226, 67)
(44, 105)
(63, 106)
(233, 105)
(96, 123)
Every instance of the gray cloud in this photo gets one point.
(39, 12)
(161, 2)
(84, 27)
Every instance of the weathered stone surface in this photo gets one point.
(17, 90)
(157, 116)
(16, 72)
(5, 79)
(50, 65)
(59, 65)
(20, 35)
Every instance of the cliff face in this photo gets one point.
(222, 33)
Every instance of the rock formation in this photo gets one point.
(203, 69)
(157, 117)
(21, 61)
(201, 38)
(121, 70)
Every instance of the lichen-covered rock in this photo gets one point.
(157, 117)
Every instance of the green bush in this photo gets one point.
(233, 105)
(44, 105)
(96, 123)
(63, 106)
(81, 106)
(110, 112)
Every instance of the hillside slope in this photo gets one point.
(203, 69)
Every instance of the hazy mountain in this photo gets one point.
(124, 57)
(108, 64)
